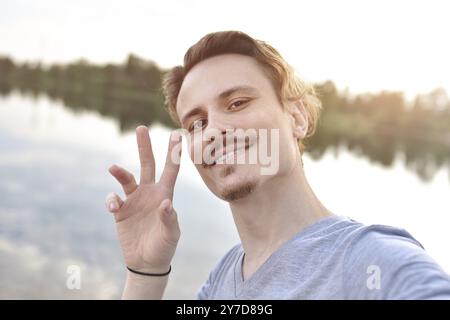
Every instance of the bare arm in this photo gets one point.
(142, 287)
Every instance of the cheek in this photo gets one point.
(283, 144)
(194, 145)
(191, 152)
(268, 116)
(289, 150)
(259, 119)
(279, 133)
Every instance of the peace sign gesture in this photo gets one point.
(146, 222)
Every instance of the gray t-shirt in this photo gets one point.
(334, 258)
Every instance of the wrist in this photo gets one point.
(138, 275)
(150, 274)
(139, 280)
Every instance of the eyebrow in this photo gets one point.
(225, 94)
(222, 96)
(191, 113)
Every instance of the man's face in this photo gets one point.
(221, 96)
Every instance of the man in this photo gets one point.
(292, 247)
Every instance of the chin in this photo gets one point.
(234, 185)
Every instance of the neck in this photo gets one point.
(273, 213)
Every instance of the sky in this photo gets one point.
(359, 45)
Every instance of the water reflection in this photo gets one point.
(424, 154)
(378, 126)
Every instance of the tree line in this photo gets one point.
(377, 125)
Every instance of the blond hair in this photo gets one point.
(287, 85)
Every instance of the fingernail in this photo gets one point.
(113, 206)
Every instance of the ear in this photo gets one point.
(299, 119)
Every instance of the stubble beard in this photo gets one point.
(236, 192)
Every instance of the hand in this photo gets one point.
(146, 222)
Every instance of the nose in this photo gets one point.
(219, 135)
(217, 127)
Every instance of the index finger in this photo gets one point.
(172, 166)
(145, 155)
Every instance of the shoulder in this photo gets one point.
(377, 240)
(381, 243)
(386, 262)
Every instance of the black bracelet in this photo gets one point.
(151, 274)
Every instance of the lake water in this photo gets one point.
(53, 181)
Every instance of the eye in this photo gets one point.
(237, 104)
(196, 125)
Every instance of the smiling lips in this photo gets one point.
(222, 159)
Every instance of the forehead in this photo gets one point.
(209, 78)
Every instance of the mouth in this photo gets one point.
(224, 157)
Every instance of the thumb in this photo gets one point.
(113, 202)
(168, 215)
(169, 222)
